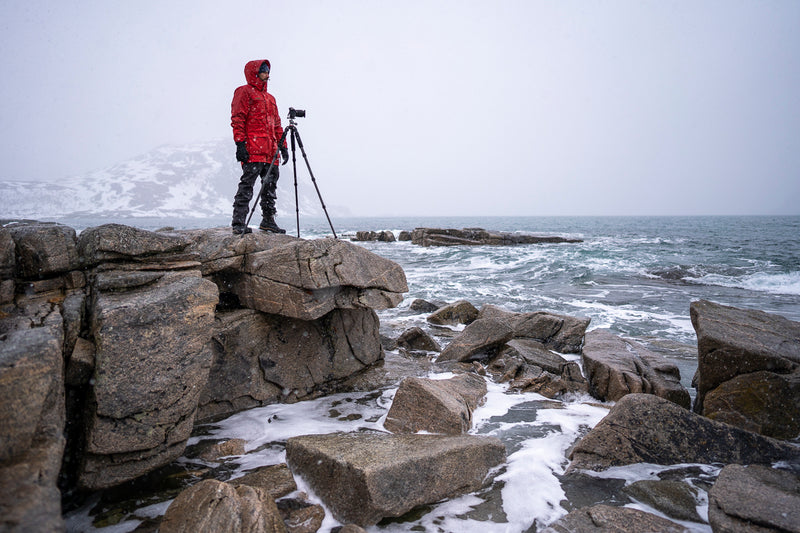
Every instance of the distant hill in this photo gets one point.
(197, 180)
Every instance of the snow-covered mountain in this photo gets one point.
(197, 180)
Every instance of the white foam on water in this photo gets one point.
(784, 283)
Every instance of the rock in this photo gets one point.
(212, 506)
(642, 428)
(382, 236)
(477, 236)
(308, 279)
(80, 367)
(422, 306)
(568, 381)
(481, 339)
(609, 519)
(416, 339)
(615, 367)
(43, 250)
(117, 242)
(675, 499)
(160, 335)
(301, 516)
(460, 312)
(8, 261)
(404, 236)
(734, 342)
(534, 353)
(277, 480)
(213, 451)
(363, 477)
(32, 417)
(755, 499)
(561, 333)
(763, 402)
(261, 359)
(435, 406)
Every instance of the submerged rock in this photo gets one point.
(607, 519)
(363, 477)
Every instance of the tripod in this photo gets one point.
(295, 138)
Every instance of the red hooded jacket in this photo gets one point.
(254, 116)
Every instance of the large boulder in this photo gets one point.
(415, 339)
(152, 360)
(32, 417)
(260, 359)
(642, 428)
(308, 279)
(615, 367)
(42, 250)
(363, 477)
(482, 339)
(561, 333)
(212, 506)
(748, 368)
(756, 499)
(610, 519)
(435, 406)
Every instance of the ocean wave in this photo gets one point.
(780, 283)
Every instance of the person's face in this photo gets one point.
(263, 76)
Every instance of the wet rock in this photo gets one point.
(561, 333)
(534, 353)
(404, 236)
(160, 335)
(416, 339)
(42, 250)
(382, 236)
(675, 499)
(568, 381)
(435, 406)
(460, 312)
(477, 236)
(212, 506)
(213, 451)
(423, 306)
(308, 279)
(735, 342)
(363, 477)
(642, 428)
(261, 359)
(608, 519)
(277, 480)
(616, 367)
(301, 516)
(481, 339)
(754, 498)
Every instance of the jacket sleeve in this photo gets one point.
(239, 108)
(278, 127)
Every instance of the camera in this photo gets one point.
(293, 113)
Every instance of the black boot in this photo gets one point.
(268, 224)
(241, 230)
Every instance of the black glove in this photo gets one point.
(285, 154)
(241, 152)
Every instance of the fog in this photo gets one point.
(431, 108)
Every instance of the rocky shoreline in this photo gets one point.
(116, 342)
(459, 237)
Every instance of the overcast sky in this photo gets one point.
(431, 108)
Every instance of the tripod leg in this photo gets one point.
(296, 133)
(296, 200)
(275, 158)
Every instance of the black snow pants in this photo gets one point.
(241, 202)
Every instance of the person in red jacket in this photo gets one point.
(256, 131)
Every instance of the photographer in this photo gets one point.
(256, 131)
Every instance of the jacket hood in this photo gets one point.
(251, 73)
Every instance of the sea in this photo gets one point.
(636, 276)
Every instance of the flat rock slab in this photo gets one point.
(642, 428)
(615, 367)
(609, 519)
(755, 498)
(363, 477)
